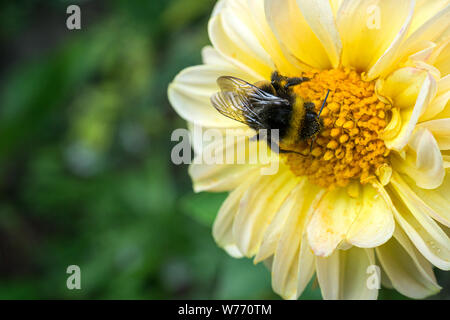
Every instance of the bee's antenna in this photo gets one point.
(324, 101)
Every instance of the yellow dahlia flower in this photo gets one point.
(375, 188)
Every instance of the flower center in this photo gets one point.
(349, 146)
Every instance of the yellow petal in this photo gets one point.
(258, 207)
(424, 11)
(230, 42)
(423, 160)
(431, 30)
(222, 176)
(403, 88)
(319, 15)
(441, 60)
(408, 271)
(343, 275)
(267, 39)
(192, 88)
(286, 268)
(295, 35)
(371, 33)
(424, 232)
(374, 224)
(434, 203)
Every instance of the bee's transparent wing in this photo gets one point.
(242, 101)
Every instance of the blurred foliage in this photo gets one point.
(85, 170)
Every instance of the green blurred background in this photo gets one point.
(85, 170)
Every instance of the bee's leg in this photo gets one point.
(290, 151)
(295, 81)
(312, 143)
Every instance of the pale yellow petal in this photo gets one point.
(430, 30)
(294, 34)
(222, 227)
(258, 207)
(306, 265)
(410, 95)
(220, 175)
(273, 232)
(435, 203)
(371, 33)
(267, 39)
(441, 131)
(225, 38)
(331, 221)
(408, 271)
(424, 11)
(343, 275)
(192, 88)
(424, 232)
(422, 161)
(439, 107)
(442, 58)
(335, 4)
(328, 275)
(286, 268)
(374, 224)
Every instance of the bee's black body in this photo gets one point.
(268, 105)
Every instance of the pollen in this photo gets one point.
(349, 147)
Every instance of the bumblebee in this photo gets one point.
(270, 105)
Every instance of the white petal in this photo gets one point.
(426, 235)
(423, 160)
(192, 88)
(331, 221)
(328, 275)
(408, 271)
(222, 227)
(434, 203)
(306, 265)
(230, 40)
(343, 275)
